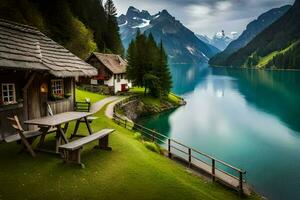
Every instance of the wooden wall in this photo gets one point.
(36, 101)
(61, 106)
(17, 77)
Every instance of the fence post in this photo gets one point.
(213, 167)
(241, 183)
(190, 157)
(169, 148)
(125, 123)
(153, 136)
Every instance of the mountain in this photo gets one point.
(80, 26)
(278, 46)
(253, 29)
(204, 38)
(220, 40)
(181, 44)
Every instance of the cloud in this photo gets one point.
(207, 16)
(198, 10)
(223, 5)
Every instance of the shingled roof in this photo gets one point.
(25, 47)
(113, 62)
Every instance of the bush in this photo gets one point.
(137, 136)
(100, 89)
(153, 147)
(54, 97)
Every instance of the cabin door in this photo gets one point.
(123, 87)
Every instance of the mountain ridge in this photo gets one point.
(181, 44)
(248, 55)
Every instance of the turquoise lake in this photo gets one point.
(248, 118)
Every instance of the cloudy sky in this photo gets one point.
(207, 16)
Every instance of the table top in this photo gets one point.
(58, 119)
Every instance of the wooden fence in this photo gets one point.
(195, 159)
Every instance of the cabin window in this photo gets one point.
(8, 93)
(57, 87)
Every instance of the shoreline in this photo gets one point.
(249, 189)
(255, 69)
(140, 106)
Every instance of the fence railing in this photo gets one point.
(233, 176)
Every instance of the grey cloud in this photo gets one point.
(207, 16)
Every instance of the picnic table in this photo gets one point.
(46, 123)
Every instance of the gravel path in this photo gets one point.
(109, 112)
(95, 107)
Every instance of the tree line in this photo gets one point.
(289, 59)
(148, 65)
(80, 26)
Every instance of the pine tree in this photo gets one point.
(135, 56)
(142, 66)
(164, 72)
(131, 71)
(148, 66)
(113, 40)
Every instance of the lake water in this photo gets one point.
(248, 118)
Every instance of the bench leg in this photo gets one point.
(72, 157)
(103, 144)
(27, 145)
(66, 127)
(43, 136)
(76, 129)
(58, 142)
(88, 126)
(24, 147)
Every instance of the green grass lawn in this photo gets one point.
(81, 94)
(130, 172)
(147, 99)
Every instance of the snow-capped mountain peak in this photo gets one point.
(221, 40)
(181, 44)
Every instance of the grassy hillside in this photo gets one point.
(277, 59)
(130, 171)
(253, 29)
(273, 42)
(80, 26)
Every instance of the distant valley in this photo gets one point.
(253, 29)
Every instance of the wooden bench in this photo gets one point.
(71, 151)
(82, 107)
(26, 137)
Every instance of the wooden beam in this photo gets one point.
(29, 81)
(25, 95)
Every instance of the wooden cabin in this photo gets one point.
(34, 71)
(111, 72)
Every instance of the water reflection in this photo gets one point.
(248, 118)
(274, 92)
(186, 77)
